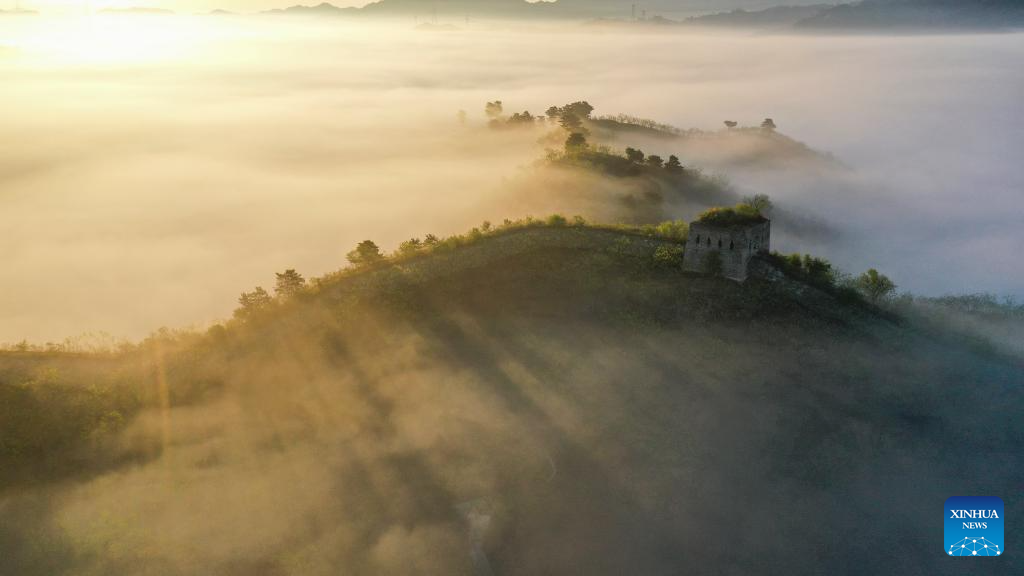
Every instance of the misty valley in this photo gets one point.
(511, 289)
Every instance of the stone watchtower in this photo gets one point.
(736, 236)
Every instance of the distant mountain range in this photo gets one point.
(867, 15)
(929, 14)
(447, 8)
(677, 9)
(652, 10)
(324, 9)
(863, 15)
(774, 16)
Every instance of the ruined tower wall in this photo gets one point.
(735, 245)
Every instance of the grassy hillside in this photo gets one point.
(547, 400)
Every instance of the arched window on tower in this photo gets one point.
(719, 242)
(698, 239)
(709, 241)
(732, 246)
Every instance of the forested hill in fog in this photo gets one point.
(537, 398)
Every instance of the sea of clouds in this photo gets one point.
(148, 178)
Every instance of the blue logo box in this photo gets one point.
(974, 526)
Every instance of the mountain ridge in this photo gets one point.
(564, 384)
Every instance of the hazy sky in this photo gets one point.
(150, 173)
(623, 7)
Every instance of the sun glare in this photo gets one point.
(109, 40)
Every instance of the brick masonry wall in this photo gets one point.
(738, 245)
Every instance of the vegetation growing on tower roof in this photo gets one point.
(739, 215)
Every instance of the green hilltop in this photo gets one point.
(570, 379)
(60, 401)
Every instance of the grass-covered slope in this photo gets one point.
(547, 401)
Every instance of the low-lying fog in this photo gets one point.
(153, 169)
